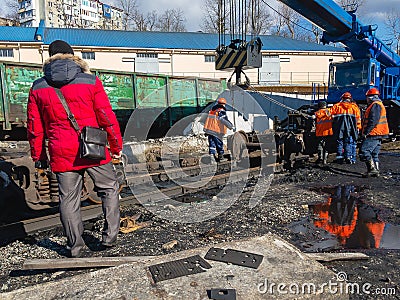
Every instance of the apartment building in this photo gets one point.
(89, 14)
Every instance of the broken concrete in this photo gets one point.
(285, 273)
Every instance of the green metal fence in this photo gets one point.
(127, 91)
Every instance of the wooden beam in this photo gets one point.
(88, 262)
(325, 257)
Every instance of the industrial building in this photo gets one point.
(284, 60)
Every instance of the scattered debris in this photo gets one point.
(87, 262)
(130, 224)
(170, 245)
(211, 234)
(222, 294)
(336, 256)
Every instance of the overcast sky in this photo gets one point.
(373, 11)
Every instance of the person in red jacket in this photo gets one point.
(47, 119)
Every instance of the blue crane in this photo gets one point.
(374, 64)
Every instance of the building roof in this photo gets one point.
(147, 39)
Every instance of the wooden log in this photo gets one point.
(87, 262)
(325, 257)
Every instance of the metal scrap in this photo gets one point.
(240, 258)
(177, 268)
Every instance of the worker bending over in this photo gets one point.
(215, 128)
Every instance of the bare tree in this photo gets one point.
(172, 20)
(218, 18)
(213, 19)
(145, 23)
(151, 21)
(350, 5)
(258, 19)
(130, 8)
(10, 10)
(286, 20)
(392, 22)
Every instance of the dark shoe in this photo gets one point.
(318, 161)
(84, 252)
(338, 161)
(109, 244)
(371, 170)
(348, 161)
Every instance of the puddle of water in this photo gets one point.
(345, 221)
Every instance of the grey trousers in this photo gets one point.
(70, 189)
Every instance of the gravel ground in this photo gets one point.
(286, 202)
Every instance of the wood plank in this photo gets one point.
(86, 262)
(325, 257)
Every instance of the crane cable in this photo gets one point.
(270, 99)
(286, 18)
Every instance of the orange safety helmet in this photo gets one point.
(372, 91)
(221, 101)
(346, 95)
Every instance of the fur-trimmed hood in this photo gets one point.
(60, 68)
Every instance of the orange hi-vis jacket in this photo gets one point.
(357, 114)
(376, 230)
(382, 128)
(213, 125)
(343, 232)
(323, 122)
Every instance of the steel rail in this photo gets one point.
(24, 228)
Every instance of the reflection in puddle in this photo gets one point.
(351, 222)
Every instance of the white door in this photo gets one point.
(269, 73)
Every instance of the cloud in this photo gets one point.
(192, 10)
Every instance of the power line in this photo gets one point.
(286, 18)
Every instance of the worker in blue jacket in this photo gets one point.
(215, 128)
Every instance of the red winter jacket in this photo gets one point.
(47, 118)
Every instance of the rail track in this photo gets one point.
(142, 187)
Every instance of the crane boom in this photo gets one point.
(341, 26)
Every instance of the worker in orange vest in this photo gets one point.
(323, 130)
(345, 127)
(374, 128)
(353, 143)
(215, 128)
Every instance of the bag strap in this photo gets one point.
(70, 116)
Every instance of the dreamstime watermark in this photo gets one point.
(338, 286)
(171, 147)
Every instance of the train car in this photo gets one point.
(159, 101)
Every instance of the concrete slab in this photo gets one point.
(285, 273)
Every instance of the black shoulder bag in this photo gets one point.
(92, 140)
